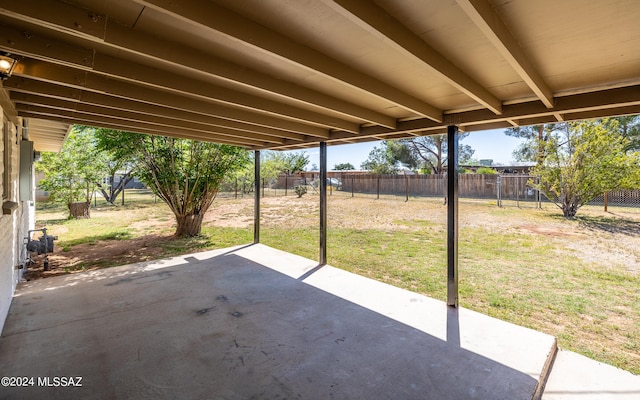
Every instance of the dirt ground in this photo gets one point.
(612, 238)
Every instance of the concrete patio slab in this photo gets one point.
(576, 377)
(241, 324)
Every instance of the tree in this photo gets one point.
(630, 128)
(381, 160)
(583, 161)
(71, 176)
(185, 174)
(113, 166)
(431, 152)
(275, 163)
(535, 137)
(343, 167)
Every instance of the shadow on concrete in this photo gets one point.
(229, 328)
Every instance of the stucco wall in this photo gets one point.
(13, 228)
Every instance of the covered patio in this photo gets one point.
(253, 322)
(257, 323)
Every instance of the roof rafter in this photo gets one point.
(33, 100)
(486, 19)
(76, 117)
(67, 76)
(65, 18)
(379, 22)
(35, 87)
(219, 19)
(154, 77)
(611, 102)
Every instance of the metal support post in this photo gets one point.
(256, 198)
(452, 216)
(323, 203)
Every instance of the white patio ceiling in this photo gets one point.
(288, 74)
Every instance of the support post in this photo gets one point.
(406, 187)
(256, 198)
(452, 216)
(518, 191)
(323, 203)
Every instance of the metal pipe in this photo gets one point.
(256, 198)
(323, 203)
(452, 216)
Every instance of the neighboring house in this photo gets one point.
(18, 209)
(522, 168)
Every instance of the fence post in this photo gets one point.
(499, 190)
(236, 195)
(518, 191)
(352, 185)
(406, 187)
(377, 187)
(539, 194)
(286, 184)
(606, 201)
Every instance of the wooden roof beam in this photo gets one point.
(33, 87)
(47, 49)
(129, 126)
(216, 18)
(484, 16)
(86, 80)
(75, 21)
(376, 20)
(24, 99)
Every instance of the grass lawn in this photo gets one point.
(576, 279)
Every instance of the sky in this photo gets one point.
(491, 144)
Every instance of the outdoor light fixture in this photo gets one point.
(7, 63)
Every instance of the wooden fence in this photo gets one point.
(506, 189)
(476, 186)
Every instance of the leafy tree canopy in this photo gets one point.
(344, 167)
(72, 175)
(381, 160)
(185, 174)
(431, 152)
(274, 163)
(427, 152)
(535, 136)
(584, 160)
(114, 165)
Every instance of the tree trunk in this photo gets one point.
(189, 225)
(569, 209)
(79, 210)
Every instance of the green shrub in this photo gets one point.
(300, 190)
(486, 171)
